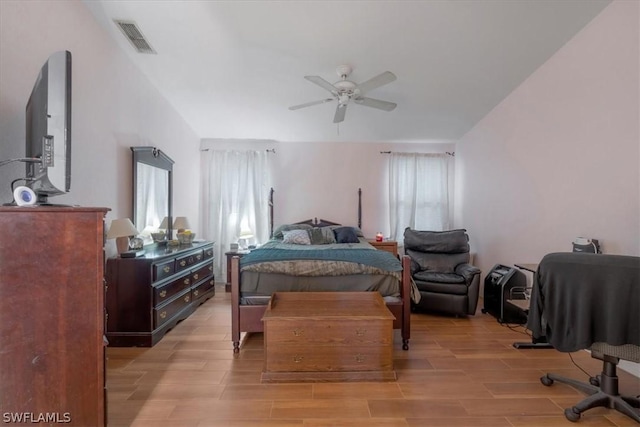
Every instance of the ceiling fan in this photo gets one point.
(345, 91)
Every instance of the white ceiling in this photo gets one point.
(232, 68)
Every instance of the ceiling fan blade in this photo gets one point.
(309, 104)
(376, 103)
(341, 109)
(377, 81)
(322, 83)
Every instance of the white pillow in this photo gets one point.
(296, 237)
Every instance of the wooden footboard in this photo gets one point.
(248, 318)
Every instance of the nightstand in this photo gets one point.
(385, 245)
(230, 255)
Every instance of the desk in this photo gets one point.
(535, 343)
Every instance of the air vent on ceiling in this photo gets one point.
(134, 35)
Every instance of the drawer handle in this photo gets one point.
(183, 263)
(195, 293)
(186, 299)
(209, 253)
(360, 332)
(198, 257)
(298, 332)
(211, 282)
(166, 269)
(195, 276)
(186, 281)
(297, 359)
(163, 294)
(211, 268)
(163, 314)
(359, 358)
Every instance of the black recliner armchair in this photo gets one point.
(441, 271)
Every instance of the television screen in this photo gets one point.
(48, 120)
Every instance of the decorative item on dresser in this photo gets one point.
(149, 295)
(52, 314)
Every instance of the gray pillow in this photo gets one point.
(296, 237)
(345, 235)
(356, 230)
(277, 234)
(321, 236)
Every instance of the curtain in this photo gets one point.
(235, 199)
(418, 192)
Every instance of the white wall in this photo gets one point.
(114, 107)
(560, 157)
(321, 180)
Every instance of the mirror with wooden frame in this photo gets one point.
(152, 191)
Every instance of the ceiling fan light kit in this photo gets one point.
(345, 90)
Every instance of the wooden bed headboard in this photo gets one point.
(314, 222)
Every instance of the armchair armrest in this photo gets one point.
(415, 267)
(467, 271)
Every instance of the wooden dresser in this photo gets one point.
(385, 245)
(328, 336)
(52, 358)
(149, 295)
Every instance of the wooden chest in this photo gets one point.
(328, 336)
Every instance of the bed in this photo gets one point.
(282, 265)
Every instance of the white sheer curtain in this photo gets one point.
(418, 192)
(235, 197)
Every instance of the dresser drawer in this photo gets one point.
(202, 288)
(167, 311)
(201, 273)
(301, 358)
(162, 270)
(164, 293)
(208, 253)
(330, 332)
(186, 261)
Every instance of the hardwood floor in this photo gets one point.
(458, 372)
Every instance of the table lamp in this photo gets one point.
(121, 230)
(245, 235)
(164, 224)
(180, 224)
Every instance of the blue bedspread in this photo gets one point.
(380, 259)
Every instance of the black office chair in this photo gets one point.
(590, 301)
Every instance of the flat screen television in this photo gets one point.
(48, 136)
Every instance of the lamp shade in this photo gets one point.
(245, 233)
(122, 227)
(164, 224)
(181, 223)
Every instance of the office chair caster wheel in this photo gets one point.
(571, 414)
(546, 380)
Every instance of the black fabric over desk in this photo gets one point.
(579, 298)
